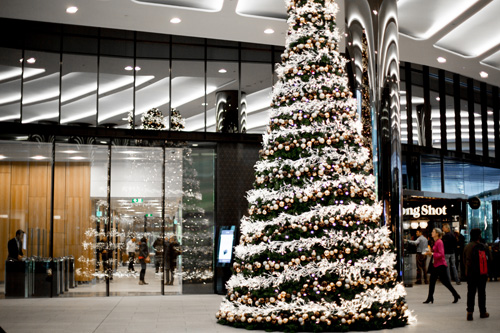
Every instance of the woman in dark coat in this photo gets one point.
(143, 254)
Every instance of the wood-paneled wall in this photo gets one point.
(25, 203)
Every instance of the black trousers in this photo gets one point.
(476, 284)
(441, 273)
(142, 274)
(131, 258)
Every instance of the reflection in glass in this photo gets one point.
(188, 90)
(116, 87)
(478, 129)
(431, 174)
(25, 176)
(491, 132)
(256, 84)
(155, 92)
(223, 76)
(41, 92)
(198, 220)
(10, 83)
(79, 90)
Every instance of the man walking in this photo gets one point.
(450, 246)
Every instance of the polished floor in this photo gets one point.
(195, 313)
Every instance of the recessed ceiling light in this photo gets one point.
(2, 157)
(204, 104)
(441, 60)
(269, 31)
(31, 60)
(375, 12)
(175, 20)
(137, 68)
(77, 158)
(129, 68)
(438, 98)
(71, 10)
(222, 70)
(38, 157)
(483, 74)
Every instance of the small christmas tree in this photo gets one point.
(312, 256)
(177, 123)
(153, 120)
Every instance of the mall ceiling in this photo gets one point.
(464, 32)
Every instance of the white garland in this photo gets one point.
(299, 306)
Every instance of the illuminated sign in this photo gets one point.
(425, 210)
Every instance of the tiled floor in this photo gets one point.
(195, 313)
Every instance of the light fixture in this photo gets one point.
(70, 151)
(71, 9)
(483, 74)
(438, 98)
(269, 31)
(77, 158)
(204, 104)
(222, 70)
(175, 20)
(375, 12)
(441, 60)
(129, 68)
(38, 157)
(2, 157)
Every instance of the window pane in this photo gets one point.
(188, 89)
(431, 174)
(154, 92)
(41, 91)
(491, 133)
(10, 84)
(256, 86)
(79, 90)
(116, 80)
(223, 76)
(464, 116)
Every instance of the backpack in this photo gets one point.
(479, 261)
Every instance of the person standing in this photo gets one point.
(173, 251)
(439, 268)
(450, 246)
(421, 243)
(143, 254)
(15, 246)
(475, 280)
(131, 248)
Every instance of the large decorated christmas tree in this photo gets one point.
(312, 254)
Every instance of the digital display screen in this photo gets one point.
(226, 239)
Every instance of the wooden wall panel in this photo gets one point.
(20, 173)
(5, 167)
(4, 193)
(18, 218)
(39, 176)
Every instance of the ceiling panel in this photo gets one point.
(274, 9)
(476, 35)
(204, 5)
(493, 60)
(421, 19)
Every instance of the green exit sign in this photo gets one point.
(148, 215)
(137, 200)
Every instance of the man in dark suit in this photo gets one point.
(15, 246)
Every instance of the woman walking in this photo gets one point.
(439, 268)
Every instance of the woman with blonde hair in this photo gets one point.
(439, 268)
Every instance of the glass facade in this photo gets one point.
(102, 197)
(74, 155)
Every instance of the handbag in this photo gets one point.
(430, 268)
(147, 260)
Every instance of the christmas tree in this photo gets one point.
(177, 123)
(312, 255)
(197, 238)
(153, 120)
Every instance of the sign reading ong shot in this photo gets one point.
(425, 210)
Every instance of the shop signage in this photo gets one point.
(425, 210)
(474, 202)
(137, 200)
